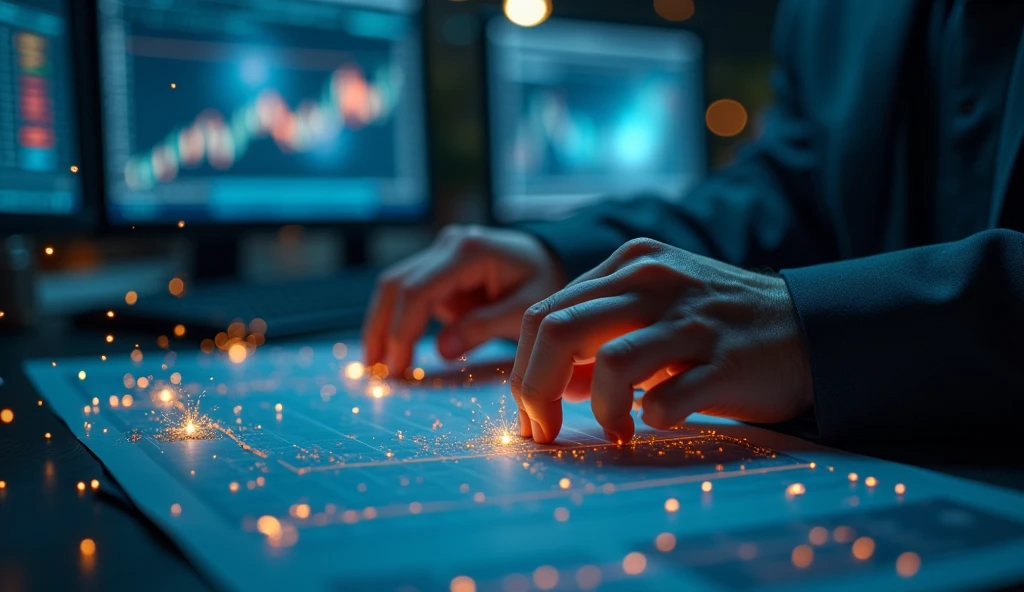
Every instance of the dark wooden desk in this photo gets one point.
(43, 517)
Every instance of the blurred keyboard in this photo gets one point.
(289, 308)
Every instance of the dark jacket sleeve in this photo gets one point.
(916, 342)
(760, 210)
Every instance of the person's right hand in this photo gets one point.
(476, 281)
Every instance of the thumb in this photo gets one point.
(670, 402)
(502, 318)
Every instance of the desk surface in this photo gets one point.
(45, 517)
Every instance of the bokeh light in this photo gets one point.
(527, 13)
(676, 11)
(726, 118)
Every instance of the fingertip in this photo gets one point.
(621, 432)
(525, 427)
(449, 345)
(538, 433)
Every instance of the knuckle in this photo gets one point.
(614, 356)
(529, 390)
(535, 314)
(557, 324)
(471, 240)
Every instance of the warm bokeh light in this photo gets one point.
(114, 401)
(110, 339)
(80, 486)
(110, 314)
(706, 487)
(671, 505)
(907, 564)
(268, 526)
(81, 375)
(796, 489)
(418, 373)
(818, 536)
(127, 400)
(3, 484)
(354, 370)
(233, 487)
(863, 548)
(87, 547)
(802, 556)
(207, 346)
(842, 534)
(340, 350)
(48, 250)
(94, 484)
(545, 577)
(726, 117)
(181, 224)
(665, 542)
(74, 168)
(179, 330)
(588, 577)
(634, 563)
(676, 11)
(900, 489)
(852, 477)
(131, 298)
(870, 481)
(564, 483)
(6, 416)
(237, 353)
(462, 584)
(527, 13)
(142, 382)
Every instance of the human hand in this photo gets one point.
(476, 281)
(699, 335)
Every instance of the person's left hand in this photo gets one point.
(698, 334)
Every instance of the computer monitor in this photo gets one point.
(40, 180)
(250, 112)
(581, 111)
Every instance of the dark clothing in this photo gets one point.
(902, 252)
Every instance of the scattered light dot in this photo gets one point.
(179, 330)
(176, 286)
(181, 224)
(74, 168)
(237, 353)
(665, 542)
(726, 117)
(81, 375)
(852, 477)
(462, 584)
(355, 410)
(870, 481)
(302, 511)
(94, 484)
(813, 465)
(354, 370)
(418, 373)
(588, 577)
(6, 416)
(142, 382)
(131, 297)
(207, 346)
(415, 508)
(842, 534)
(796, 489)
(340, 350)
(527, 13)
(900, 489)
(818, 535)
(802, 556)
(676, 11)
(40, 402)
(907, 564)
(863, 548)
(127, 400)
(190, 428)
(110, 339)
(671, 505)
(3, 484)
(47, 435)
(269, 526)
(279, 408)
(545, 577)
(564, 483)
(87, 547)
(48, 250)
(233, 487)
(175, 509)
(705, 486)
(80, 486)
(506, 439)
(174, 85)
(561, 514)
(634, 563)
(479, 497)
(378, 391)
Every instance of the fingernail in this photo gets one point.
(538, 434)
(449, 344)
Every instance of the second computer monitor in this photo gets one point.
(581, 111)
(262, 111)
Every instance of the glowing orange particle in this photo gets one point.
(269, 526)
(418, 373)
(796, 489)
(237, 353)
(863, 548)
(564, 483)
(6, 416)
(175, 509)
(561, 514)
(726, 117)
(634, 563)
(852, 477)
(665, 542)
(110, 314)
(48, 250)
(94, 484)
(870, 481)
(900, 489)
(802, 556)
(176, 286)
(179, 330)
(127, 400)
(545, 577)
(87, 547)
(131, 297)
(671, 505)
(818, 535)
(462, 584)
(233, 487)
(3, 485)
(80, 486)
(676, 11)
(907, 564)
(705, 486)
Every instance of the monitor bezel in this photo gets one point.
(85, 218)
(209, 228)
(489, 176)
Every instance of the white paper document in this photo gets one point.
(295, 468)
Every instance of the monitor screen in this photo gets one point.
(38, 143)
(262, 111)
(582, 111)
